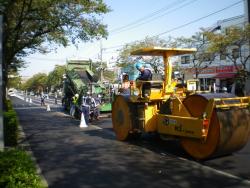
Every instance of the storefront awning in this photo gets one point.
(225, 75)
(206, 75)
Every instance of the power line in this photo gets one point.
(51, 59)
(46, 59)
(196, 20)
(154, 18)
(117, 46)
(147, 16)
(163, 33)
(191, 22)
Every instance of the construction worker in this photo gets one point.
(74, 104)
(42, 100)
(55, 98)
(96, 103)
(145, 75)
(85, 109)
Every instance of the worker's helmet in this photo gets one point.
(139, 65)
(224, 89)
(76, 95)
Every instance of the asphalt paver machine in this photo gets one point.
(207, 124)
(79, 79)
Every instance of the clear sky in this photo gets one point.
(132, 20)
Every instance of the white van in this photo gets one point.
(11, 92)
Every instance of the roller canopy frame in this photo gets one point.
(166, 53)
(159, 51)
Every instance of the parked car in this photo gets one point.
(11, 92)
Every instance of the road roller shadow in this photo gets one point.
(169, 147)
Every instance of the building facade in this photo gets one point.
(222, 71)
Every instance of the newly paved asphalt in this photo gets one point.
(72, 157)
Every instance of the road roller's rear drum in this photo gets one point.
(229, 129)
(121, 120)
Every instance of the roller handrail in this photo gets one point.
(238, 102)
(233, 98)
(150, 81)
(231, 105)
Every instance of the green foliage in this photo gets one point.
(202, 58)
(18, 170)
(8, 105)
(37, 83)
(10, 128)
(10, 125)
(232, 43)
(41, 25)
(107, 74)
(55, 77)
(14, 81)
(155, 62)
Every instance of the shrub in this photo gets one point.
(10, 125)
(8, 105)
(18, 170)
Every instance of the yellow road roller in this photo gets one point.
(207, 124)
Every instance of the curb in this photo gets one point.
(24, 144)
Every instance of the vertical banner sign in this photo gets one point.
(1, 85)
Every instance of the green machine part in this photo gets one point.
(80, 79)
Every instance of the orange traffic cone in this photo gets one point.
(83, 122)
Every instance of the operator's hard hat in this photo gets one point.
(224, 89)
(77, 95)
(139, 65)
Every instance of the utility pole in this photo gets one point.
(247, 10)
(101, 49)
(1, 86)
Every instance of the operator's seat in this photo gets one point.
(159, 83)
(155, 89)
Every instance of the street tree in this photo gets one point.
(40, 25)
(55, 78)
(14, 81)
(200, 59)
(107, 74)
(37, 83)
(233, 43)
(156, 63)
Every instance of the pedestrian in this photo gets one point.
(42, 100)
(55, 98)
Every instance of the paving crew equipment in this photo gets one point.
(79, 79)
(207, 125)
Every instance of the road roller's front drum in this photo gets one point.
(229, 129)
(121, 120)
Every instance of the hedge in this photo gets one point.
(18, 170)
(10, 128)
